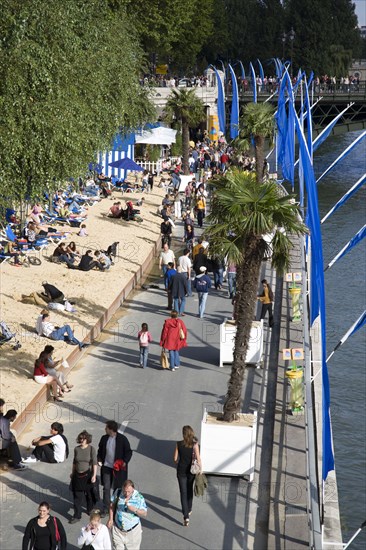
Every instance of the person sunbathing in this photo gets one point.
(59, 333)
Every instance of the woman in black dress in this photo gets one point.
(44, 532)
(185, 452)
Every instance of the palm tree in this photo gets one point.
(243, 211)
(186, 108)
(257, 122)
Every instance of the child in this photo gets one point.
(83, 232)
(140, 201)
(144, 337)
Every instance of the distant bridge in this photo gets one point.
(332, 101)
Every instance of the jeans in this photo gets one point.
(202, 299)
(189, 286)
(144, 354)
(231, 280)
(186, 493)
(218, 276)
(265, 308)
(200, 216)
(174, 359)
(59, 334)
(179, 304)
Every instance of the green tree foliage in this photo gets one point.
(68, 81)
(322, 26)
(184, 107)
(243, 211)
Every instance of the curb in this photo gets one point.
(29, 411)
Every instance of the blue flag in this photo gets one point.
(360, 235)
(281, 120)
(220, 102)
(242, 70)
(254, 82)
(317, 290)
(261, 72)
(343, 155)
(346, 196)
(234, 120)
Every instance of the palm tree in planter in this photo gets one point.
(184, 107)
(243, 211)
(257, 123)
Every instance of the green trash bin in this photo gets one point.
(295, 293)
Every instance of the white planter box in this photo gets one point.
(228, 448)
(255, 348)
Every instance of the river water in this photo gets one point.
(346, 300)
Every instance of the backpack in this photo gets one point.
(144, 338)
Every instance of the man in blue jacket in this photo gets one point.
(202, 284)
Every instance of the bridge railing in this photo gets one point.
(329, 90)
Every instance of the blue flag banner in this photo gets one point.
(288, 170)
(317, 289)
(220, 101)
(278, 68)
(254, 82)
(346, 196)
(343, 155)
(242, 70)
(234, 119)
(261, 72)
(327, 130)
(354, 328)
(281, 120)
(351, 244)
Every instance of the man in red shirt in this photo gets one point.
(224, 159)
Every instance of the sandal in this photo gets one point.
(57, 399)
(66, 391)
(69, 386)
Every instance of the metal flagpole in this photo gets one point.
(355, 535)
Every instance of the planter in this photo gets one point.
(254, 354)
(228, 448)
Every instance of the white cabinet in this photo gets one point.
(255, 347)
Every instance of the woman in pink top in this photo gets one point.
(41, 376)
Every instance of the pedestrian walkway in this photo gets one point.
(152, 405)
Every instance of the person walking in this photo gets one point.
(186, 451)
(166, 256)
(144, 337)
(173, 338)
(218, 271)
(184, 262)
(200, 208)
(114, 454)
(44, 531)
(179, 289)
(266, 298)
(202, 284)
(83, 475)
(167, 278)
(126, 509)
(166, 232)
(95, 535)
(231, 279)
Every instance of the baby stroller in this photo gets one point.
(6, 335)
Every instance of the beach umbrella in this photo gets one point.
(126, 164)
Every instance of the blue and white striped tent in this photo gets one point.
(123, 146)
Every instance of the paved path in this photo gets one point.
(152, 405)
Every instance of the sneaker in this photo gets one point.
(29, 460)
(172, 370)
(19, 467)
(177, 366)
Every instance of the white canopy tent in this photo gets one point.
(157, 136)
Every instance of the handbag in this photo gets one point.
(164, 360)
(181, 332)
(57, 533)
(195, 467)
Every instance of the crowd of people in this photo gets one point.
(122, 504)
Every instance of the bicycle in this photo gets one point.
(26, 260)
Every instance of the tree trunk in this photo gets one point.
(185, 146)
(259, 157)
(246, 298)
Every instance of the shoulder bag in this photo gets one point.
(181, 332)
(195, 467)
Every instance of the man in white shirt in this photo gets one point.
(166, 256)
(185, 263)
(50, 331)
(53, 449)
